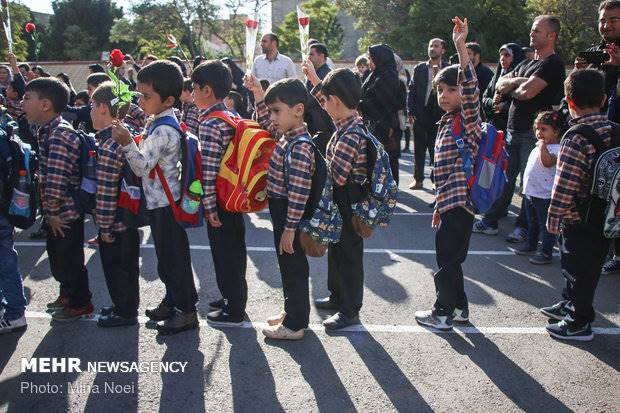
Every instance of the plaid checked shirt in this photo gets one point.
(214, 135)
(110, 160)
(59, 169)
(572, 176)
(301, 168)
(190, 116)
(452, 189)
(13, 107)
(135, 117)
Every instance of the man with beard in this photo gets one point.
(423, 107)
(272, 65)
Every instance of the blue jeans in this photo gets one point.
(536, 209)
(12, 297)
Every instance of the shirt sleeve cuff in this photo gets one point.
(553, 224)
(132, 147)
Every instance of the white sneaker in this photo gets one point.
(9, 326)
(279, 332)
(274, 320)
(460, 316)
(427, 318)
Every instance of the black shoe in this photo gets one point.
(177, 323)
(222, 318)
(115, 320)
(325, 304)
(217, 305)
(160, 313)
(106, 311)
(557, 311)
(570, 331)
(339, 320)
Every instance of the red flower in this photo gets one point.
(252, 24)
(116, 57)
(30, 28)
(303, 21)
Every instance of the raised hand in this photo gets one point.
(460, 31)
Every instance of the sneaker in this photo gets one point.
(523, 250)
(105, 311)
(611, 267)
(9, 326)
(115, 320)
(217, 305)
(179, 322)
(415, 185)
(57, 304)
(279, 332)
(460, 316)
(557, 311)
(339, 320)
(481, 228)
(517, 235)
(72, 314)
(428, 319)
(325, 304)
(160, 313)
(93, 242)
(222, 318)
(540, 259)
(276, 319)
(565, 331)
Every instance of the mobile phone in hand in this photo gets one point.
(596, 58)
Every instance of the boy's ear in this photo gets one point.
(47, 105)
(299, 109)
(169, 101)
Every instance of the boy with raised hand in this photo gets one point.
(59, 174)
(582, 247)
(160, 85)
(120, 246)
(459, 96)
(281, 111)
(339, 94)
(212, 81)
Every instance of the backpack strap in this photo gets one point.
(220, 114)
(371, 147)
(289, 149)
(590, 134)
(463, 151)
(167, 121)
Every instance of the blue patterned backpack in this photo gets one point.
(321, 222)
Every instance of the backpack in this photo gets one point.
(188, 211)
(84, 195)
(131, 204)
(17, 187)
(242, 178)
(600, 210)
(487, 182)
(321, 222)
(373, 202)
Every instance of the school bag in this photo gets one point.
(17, 187)
(188, 211)
(373, 202)
(242, 178)
(488, 179)
(131, 204)
(321, 222)
(600, 211)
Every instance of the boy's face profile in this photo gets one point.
(11, 93)
(100, 115)
(448, 97)
(202, 96)
(285, 117)
(150, 101)
(332, 105)
(90, 89)
(35, 108)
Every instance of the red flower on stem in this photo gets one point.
(116, 58)
(30, 28)
(252, 24)
(303, 21)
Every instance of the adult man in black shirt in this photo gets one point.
(320, 125)
(535, 85)
(483, 73)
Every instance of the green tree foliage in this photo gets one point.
(579, 23)
(20, 15)
(79, 29)
(324, 27)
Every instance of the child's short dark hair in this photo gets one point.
(474, 47)
(585, 87)
(216, 75)
(448, 75)
(288, 91)
(551, 118)
(344, 84)
(25, 66)
(320, 48)
(95, 79)
(103, 95)
(179, 62)
(264, 84)
(83, 96)
(164, 77)
(52, 89)
(187, 85)
(237, 99)
(18, 88)
(96, 68)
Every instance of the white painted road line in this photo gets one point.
(397, 251)
(377, 328)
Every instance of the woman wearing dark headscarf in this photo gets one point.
(64, 78)
(237, 74)
(382, 97)
(510, 55)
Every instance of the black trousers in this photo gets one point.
(66, 258)
(583, 253)
(345, 262)
(121, 268)
(174, 264)
(230, 260)
(451, 245)
(294, 270)
(423, 141)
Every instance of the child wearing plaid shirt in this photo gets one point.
(281, 111)
(119, 246)
(212, 81)
(190, 113)
(459, 96)
(44, 100)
